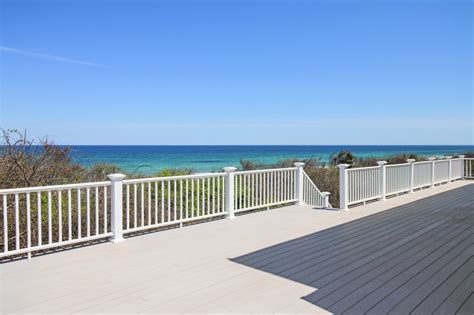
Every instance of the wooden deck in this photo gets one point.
(413, 253)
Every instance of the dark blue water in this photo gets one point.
(150, 159)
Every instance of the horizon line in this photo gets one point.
(256, 145)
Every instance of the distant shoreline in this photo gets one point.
(148, 159)
(264, 145)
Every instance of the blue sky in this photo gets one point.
(238, 72)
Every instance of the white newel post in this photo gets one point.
(229, 192)
(326, 199)
(299, 183)
(462, 165)
(412, 173)
(343, 187)
(116, 221)
(432, 159)
(383, 181)
(450, 168)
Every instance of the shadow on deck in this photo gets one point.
(417, 258)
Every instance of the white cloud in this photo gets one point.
(14, 51)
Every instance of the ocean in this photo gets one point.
(203, 158)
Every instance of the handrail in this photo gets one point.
(168, 178)
(361, 168)
(52, 188)
(359, 185)
(266, 170)
(395, 165)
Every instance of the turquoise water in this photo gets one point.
(150, 159)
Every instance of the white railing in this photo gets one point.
(154, 202)
(456, 168)
(363, 184)
(264, 188)
(41, 218)
(422, 176)
(398, 178)
(311, 194)
(441, 171)
(469, 168)
(359, 185)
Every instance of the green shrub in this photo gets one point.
(174, 172)
(343, 157)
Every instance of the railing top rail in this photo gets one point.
(422, 162)
(394, 165)
(53, 188)
(404, 164)
(127, 181)
(362, 168)
(266, 170)
(167, 178)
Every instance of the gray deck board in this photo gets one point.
(315, 244)
(414, 257)
(436, 277)
(310, 257)
(403, 285)
(346, 232)
(408, 269)
(468, 305)
(452, 293)
(396, 261)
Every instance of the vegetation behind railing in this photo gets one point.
(28, 162)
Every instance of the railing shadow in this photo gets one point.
(354, 265)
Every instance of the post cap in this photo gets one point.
(342, 166)
(380, 163)
(116, 177)
(462, 156)
(431, 158)
(298, 164)
(411, 160)
(325, 193)
(230, 169)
